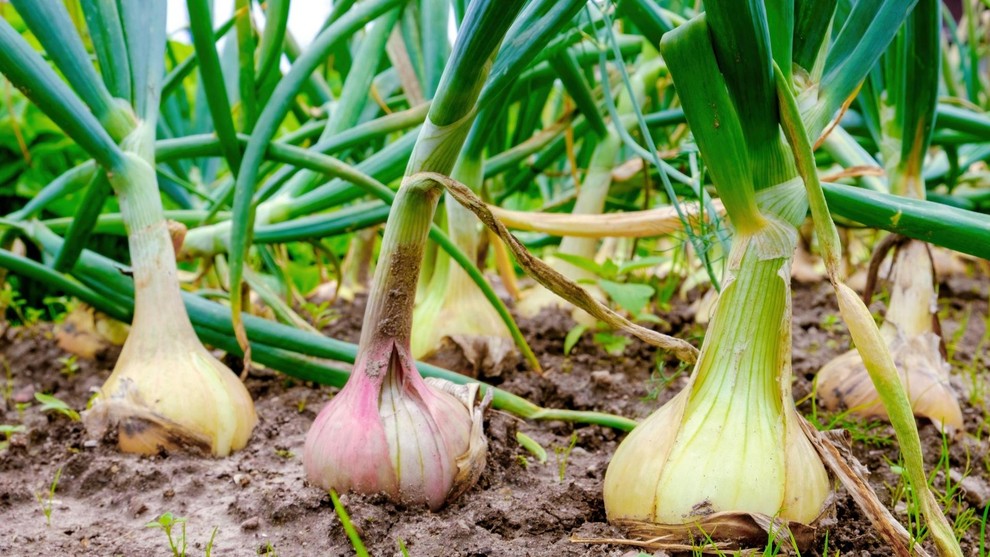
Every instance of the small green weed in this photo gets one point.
(660, 379)
(267, 550)
(52, 404)
(8, 430)
(572, 338)
(177, 542)
(612, 343)
(359, 549)
(825, 548)
(983, 531)
(321, 315)
(562, 455)
(209, 544)
(47, 500)
(70, 366)
(870, 432)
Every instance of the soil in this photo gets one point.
(258, 503)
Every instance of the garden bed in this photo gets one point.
(259, 503)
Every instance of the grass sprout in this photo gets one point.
(8, 430)
(563, 454)
(268, 550)
(345, 520)
(47, 499)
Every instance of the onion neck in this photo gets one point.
(158, 304)
(388, 316)
(743, 356)
(912, 294)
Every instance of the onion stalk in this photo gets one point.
(356, 267)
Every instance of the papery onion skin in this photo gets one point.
(197, 405)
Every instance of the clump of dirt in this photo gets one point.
(258, 502)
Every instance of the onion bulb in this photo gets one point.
(908, 331)
(390, 431)
(166, 390)
(729, 447)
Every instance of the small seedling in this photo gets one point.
(33, 317)
(209, 544)
(58, 307)
(285, 453)
(92, 399)
(7, 430)
(830, 323)
(345, 520)
(861, 430)
(402, 547)
(47, 500)
(774, 545)
(321, 315)
(983, 531)
(572, 338)
(904, 492)
(701, 550)
(52, 404)
(825, 548)
(11, 299)
(612, 343)
(630, 296)
(167, 523)
(268, 550)
(70, 366)
(563, 454)
(660, 379)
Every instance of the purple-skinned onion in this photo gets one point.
(390, 431)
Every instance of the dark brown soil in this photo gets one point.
(259, 502)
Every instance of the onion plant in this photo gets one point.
(899, 100)
(735, 424)
(388, 430)
(166, 390)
